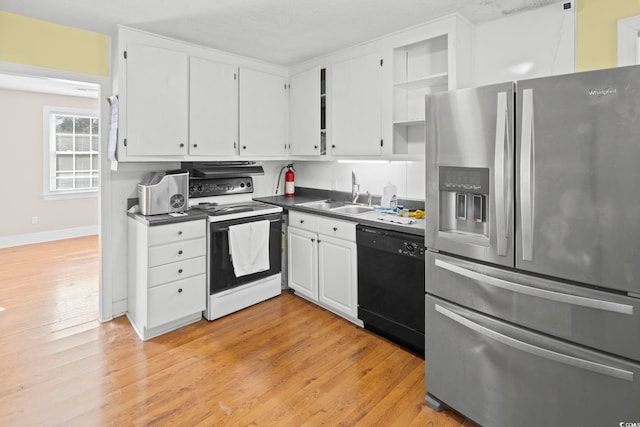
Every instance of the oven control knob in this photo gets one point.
(249, 184)
(242, 185)
(410, 247)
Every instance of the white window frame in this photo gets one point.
(49, 156)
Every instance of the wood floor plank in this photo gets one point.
(283, 362)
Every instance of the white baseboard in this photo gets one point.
(47, 236)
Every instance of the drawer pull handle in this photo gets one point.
(180, 252)
(335, 228)
(180, 271)
(180, 290)
(539, 293)
(537, 351)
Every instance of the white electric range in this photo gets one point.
(227, 201)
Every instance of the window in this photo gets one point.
(72, 141)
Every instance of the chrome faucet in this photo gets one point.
(369, 195)
(355, 187)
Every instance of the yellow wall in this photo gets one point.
(39, 43)
(597, 31)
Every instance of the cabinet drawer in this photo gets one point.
(175, 300)
(179, 251)
(171, 233)
(303, 221)
(177, 271)
(341, 229)
(523, 378)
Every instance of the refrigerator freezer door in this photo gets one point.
(578, 145)
(469, 157)
(596, 319)
(500, 375)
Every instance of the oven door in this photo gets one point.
(221, 274)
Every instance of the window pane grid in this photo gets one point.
(75, 146)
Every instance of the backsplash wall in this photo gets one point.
(408, 177)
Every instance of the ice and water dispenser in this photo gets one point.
(464, 193)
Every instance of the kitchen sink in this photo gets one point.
(352, 209)
(337, 206)
(323, 204)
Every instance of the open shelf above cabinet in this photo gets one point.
(440, 79)
(419, 69)
(406, 123)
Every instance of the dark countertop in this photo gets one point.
(163, 219)
(368, 218)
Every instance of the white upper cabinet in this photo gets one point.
(304, 119)
(263, 114)
(213, 108)
(157, 101)
(356, 106)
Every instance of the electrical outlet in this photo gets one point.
(34, 220)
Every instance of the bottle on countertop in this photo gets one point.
(389, 196)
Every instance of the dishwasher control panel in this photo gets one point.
(412, 249)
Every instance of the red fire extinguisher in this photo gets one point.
(289, 181)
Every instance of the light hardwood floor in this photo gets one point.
(283, 362)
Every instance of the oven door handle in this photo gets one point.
(226, 228)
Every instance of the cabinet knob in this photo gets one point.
(313, 240)
(195, 145)
(335, 228)
(180, 271)
(180, 252)
(333, 146)
(301, 221)
(315, 147)
(319, 240)
(180, 233)
(244, 147)
(180, 290)
(181, 145)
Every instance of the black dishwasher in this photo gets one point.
(391, 285)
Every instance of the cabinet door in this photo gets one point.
(213, 108)
(157, 101)
(263, 114)
(337, 263)
(304, 119)
(355, 106)
(303, 262)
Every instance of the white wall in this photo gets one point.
(536, 43)
(21, 174)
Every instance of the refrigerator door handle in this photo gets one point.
(535, 350)
(501, 191)
(537, 292)
(526, 175)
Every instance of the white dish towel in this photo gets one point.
(249, 247)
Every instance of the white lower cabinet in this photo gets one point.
(323, 262)
(167, 276)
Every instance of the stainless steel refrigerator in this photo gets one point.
(533, 263)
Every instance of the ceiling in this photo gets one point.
(283, 32)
